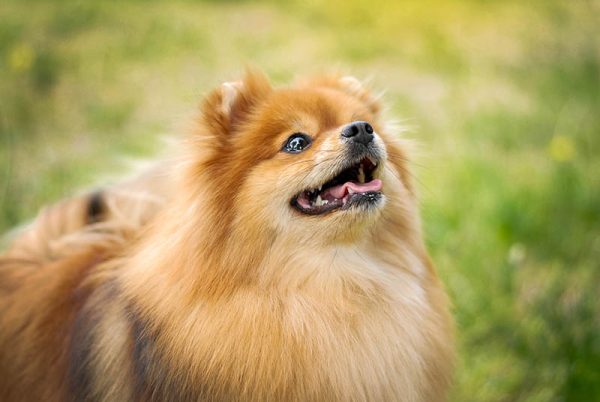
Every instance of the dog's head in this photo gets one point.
(311, 161)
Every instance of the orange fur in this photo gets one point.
(215, 288)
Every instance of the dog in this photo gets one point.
(279, 257)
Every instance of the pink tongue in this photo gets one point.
(341, 190)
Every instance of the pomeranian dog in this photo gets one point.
(279, 258)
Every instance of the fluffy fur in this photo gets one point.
(199, 280)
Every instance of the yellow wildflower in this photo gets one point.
(561, 148)
(20, 57)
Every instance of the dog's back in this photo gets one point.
(44, 280)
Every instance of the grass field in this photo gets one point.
(503, 98)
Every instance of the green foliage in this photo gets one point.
(503, 98)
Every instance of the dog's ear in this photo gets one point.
(350, 85)
(228, 107)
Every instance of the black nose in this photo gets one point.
(359, 131)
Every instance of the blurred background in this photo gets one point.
(503, 98)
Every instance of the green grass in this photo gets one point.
(502, 96)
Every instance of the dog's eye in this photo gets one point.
(297, 142)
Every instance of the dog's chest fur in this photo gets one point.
(364, 333)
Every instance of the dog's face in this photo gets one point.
(309, 160)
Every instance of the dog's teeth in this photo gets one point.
(373, 161)
(361, 174)
(320, 187)
(350, 191)
(318, 201)
(325, 202)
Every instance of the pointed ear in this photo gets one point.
(350, 85)
(229, 106)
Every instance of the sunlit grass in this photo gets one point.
(503, 98)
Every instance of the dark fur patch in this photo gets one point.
(154, 380)
(81, 347)
(79, 372)
(142, 354)
(95, 208)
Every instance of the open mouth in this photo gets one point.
(354, 186)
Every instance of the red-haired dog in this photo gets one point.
(279, 259)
